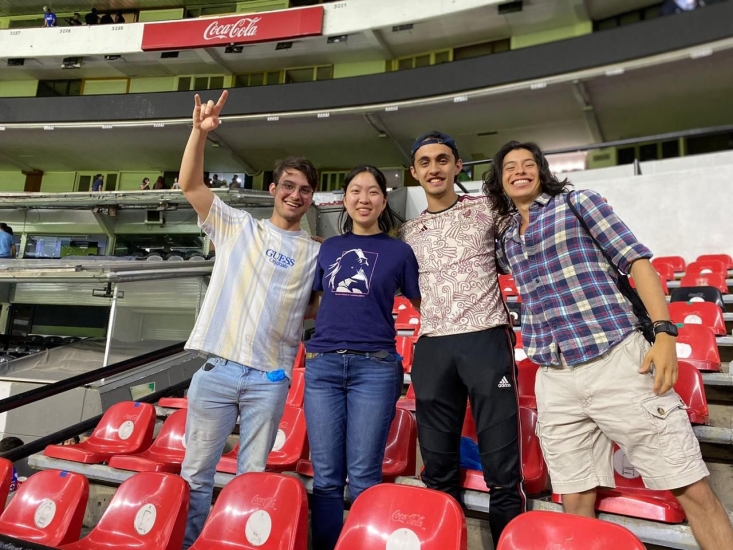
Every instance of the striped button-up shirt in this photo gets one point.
(570, 301)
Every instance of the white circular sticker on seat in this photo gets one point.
(279, 440)
(403, 539)
(683, 350)
(693, 320)
(258, 528)
(414, 321)
(401, 307)
(44, 513)
(145, 519)
(697, 299)
(623, 467)
(706, 271)
(519, 354)
(126, 429)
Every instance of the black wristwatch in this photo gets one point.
(665, 326)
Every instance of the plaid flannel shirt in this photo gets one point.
(570, 301)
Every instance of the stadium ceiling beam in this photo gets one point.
(583, 98)
(376, 122)
(207, 56)
(374, 37)
(217, 141)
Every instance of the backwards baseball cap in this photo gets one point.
(434, 137)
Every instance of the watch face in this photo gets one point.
(669, 328)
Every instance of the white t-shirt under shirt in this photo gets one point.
(458, 281)
(259, 290)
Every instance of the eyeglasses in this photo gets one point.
(305, 191)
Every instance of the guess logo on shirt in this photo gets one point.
(280, 260)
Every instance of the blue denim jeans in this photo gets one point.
(349, 406)
(220, 391)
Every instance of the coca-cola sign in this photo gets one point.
(233, 29)
(413, 520)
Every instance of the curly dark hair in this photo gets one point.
(387, 219)
(494, 189)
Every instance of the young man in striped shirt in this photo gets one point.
(465, 345)
(250, 321)
(599, 380)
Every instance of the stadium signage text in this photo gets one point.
(235, 29)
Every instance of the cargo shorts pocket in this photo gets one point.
(668, 417)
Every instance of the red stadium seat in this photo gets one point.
(48, 508)
(408, 402)
(401, 303)
(696, 345)
(665, 271)
(677, 262)
(400, 454)
(126, 428)
(255, 511)
(715, 280)
(691, 388)
(296, 393)
(519, 343)
(406, 348)
(408, 319)
(291, 445)
(525, 382)
(508, 287)
(148, 512)
(632, 498)
(540, 530)
(536, 475)
(400, 516)
(706, 267)
(698, 294)
(164, 455)
(300, 357)
(173, 402)
(725, 258)
(698, 313)
(6, 479)
(662, 281)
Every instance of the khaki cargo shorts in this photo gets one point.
(585, 409)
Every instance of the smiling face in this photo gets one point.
(436, 168)
(364, 202)
(521, 176)
(293, 196)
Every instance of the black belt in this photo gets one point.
(381, 354)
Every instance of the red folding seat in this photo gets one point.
(48, 508)
(508, 287)
(296, 393)
(408, 402)
(519, 343)
(126, 428)
(698, 294)
(632, 498)
(6, 479)
(525, 383)
(406, 348)
(148, 512)
(677, 262)
(401, 303)
(401, 516)
(536, 475)
(173, 402)
(300, 357)
(408, 319)
(257, 511)
(662, 281)
(715, 280)
(665, 271)
(164, 455)
(541, 530)
(696, 345)
(706, 267)
(400, 454)
(725, 258)
(291, 445)
(698, 313)
(691, 388)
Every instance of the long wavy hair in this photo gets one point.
(494, 189)
(387, 219)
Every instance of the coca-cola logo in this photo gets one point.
(413, 520)
(264, 502)
(247, 26)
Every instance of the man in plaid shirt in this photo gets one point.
(599, 380)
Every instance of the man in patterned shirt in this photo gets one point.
(465, 345)
(599, 380)
(250, 330)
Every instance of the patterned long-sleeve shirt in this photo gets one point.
(571, 303)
